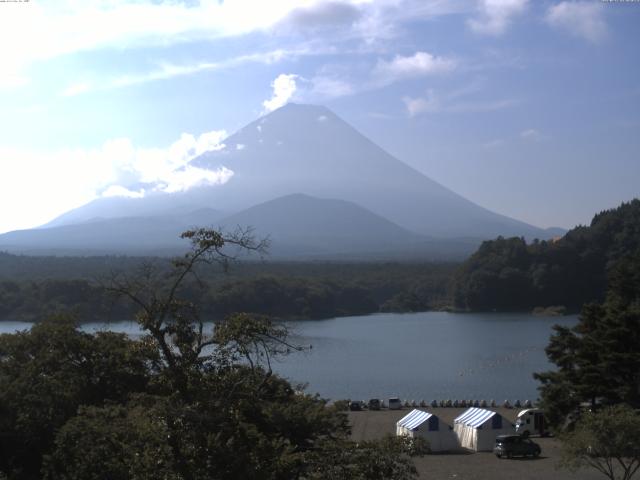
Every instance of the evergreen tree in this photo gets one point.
(598, 360)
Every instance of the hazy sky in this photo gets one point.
(529, 108)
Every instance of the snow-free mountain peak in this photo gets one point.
(308, 149)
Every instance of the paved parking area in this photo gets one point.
(367, 425)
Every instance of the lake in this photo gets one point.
(429, 355)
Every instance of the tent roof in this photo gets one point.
(414, 419)
(474, 417)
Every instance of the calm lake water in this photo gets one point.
(431, 355)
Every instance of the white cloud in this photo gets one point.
(416, 65)
(455, 101)
(36, 31)
(116, 168)
(418, 105)
(168, 70)
(189, 176)
(284, 87)
(331, 87)
(495, 16)
(582, 19)
(120, 191)
(31, 32)
(325, 14)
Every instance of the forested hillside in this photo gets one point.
(509, 274)
(33, 287)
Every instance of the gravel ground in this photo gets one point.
(368, 425)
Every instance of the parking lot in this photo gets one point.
(462, 465)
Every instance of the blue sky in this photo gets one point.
(529, 108)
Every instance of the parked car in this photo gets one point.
(515, 445)
(374, 404)
(355, 405)
(395, 403)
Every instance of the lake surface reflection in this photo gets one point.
(430, 355)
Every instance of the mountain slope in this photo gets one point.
(299, 224)
(131, 235)
(308, 149)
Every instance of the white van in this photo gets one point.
(531, 422)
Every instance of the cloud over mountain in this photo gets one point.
(117, 168)
(284, 87)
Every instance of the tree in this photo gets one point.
(607, 440)
(47, 373)
(388, 458)
(213, 408)
(508, 274)
(598, 360)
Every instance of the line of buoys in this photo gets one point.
(449, 403)
(455, 403)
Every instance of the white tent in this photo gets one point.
(426, 425)
(478, 428)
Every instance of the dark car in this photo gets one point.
(355, 406)
(374, 404)
(515, 445)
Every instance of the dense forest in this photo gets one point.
(509, 274)
(32, 287)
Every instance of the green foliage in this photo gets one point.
(286, 291)
(123, 442)
(178, 403)
(47, 373)
(509, 274)
(607, 440)
(290, 297)
(388, 458)
(598, 360)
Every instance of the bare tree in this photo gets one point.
(173, 323)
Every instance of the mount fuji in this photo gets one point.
(298, 167)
